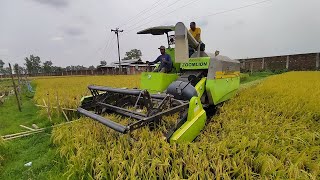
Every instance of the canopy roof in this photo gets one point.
(158, 30)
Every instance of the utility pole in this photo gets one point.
(116, 31)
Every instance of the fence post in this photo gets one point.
(262, 63)
(287, 64)
(15, 88)
(251, 66)
(317, 61)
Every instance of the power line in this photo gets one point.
(234, 9)
(108, 50)
(155, 13)
(113, 50)
(105, 46)
(213, 14)
(181, 7)
(141, 12)
(95, 52)
(193, 1)
(133, 18)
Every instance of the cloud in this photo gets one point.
(73, 31)
(4, 51)
(54, 3)
(84, 19)
(238, 23)
(68, 52)
(57, 38)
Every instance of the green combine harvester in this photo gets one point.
(197, 82)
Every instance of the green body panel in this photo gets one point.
(171, 53)
(196, 63)
(220, 90)
(201, 87)
(195, 123)
(156, 82)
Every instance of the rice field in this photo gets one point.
(5, 86)
(68, 91)
(269, 131)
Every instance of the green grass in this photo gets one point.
(256, 76)
(11, 118)
(38, 149)
(6, 85)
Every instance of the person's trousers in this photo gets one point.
(202, 48)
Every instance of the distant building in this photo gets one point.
(132, 66)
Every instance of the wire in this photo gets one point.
(234, 9)
(181, 7)
(213, 14)
(105, 45)
(109, 44)
(155, 13)
(109, 47)
(193, 1)
(143, 11)
(113, 51)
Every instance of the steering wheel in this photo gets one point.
(172, 40)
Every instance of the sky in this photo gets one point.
(78, 32)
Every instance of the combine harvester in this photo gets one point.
(194, 83)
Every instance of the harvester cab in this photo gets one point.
(202, 80)
(170, 50)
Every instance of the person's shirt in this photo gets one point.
(165, 61)
(196, 34)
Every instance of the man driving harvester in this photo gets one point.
(165, 61)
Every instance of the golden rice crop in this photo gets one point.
(269, 131)
(67, 91)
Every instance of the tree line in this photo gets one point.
(33, 65)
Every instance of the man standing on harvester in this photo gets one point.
(196, 33)
(165, 62)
